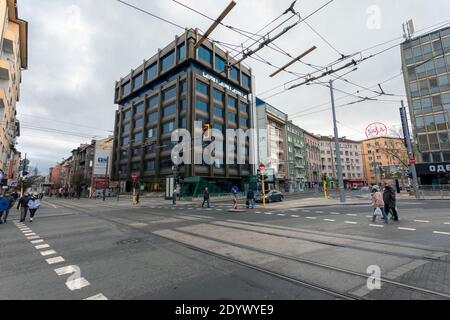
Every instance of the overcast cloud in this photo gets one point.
(79, 48)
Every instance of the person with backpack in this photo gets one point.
(33, 205)
(390, 202)
(378, 205)
(22, 205)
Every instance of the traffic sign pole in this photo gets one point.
(262, 170)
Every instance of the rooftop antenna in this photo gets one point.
(408, 29)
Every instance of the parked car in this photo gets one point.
(271, 196)
(354, 188)
(366, 189)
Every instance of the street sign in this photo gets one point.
(135, 175)
(412, 161)
(262, 168)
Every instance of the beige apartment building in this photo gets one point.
(13, 59)
(385, 160)
(313, 159)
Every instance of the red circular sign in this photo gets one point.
(412, 161)
(135, 175)
(376, 129)
(262, 168)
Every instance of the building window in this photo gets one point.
(138, 81)
(123, 169)
(153, 101)
(183, 123)
(135, 167)
(138, 137)
(127, 114)
(125, 141)
(232, 117)
(244, 107)
(170, 93)
(220, 64)
(183, 86)
(232, 102)
(136, 152)
(154, 116)
(126, 88)
(183, 105)
(139, 123)
(167, 61)
(150, 148)
(168, 127)
(244, 122)
(218, 126)
(201, 87)
(123, 154)
(126, 128)
(181, 52)
(150, 165)
(170, 110)
(166, 162)
(140, 108)
(151, 71)
(201, 105)
(205, 54)
(218, 95)
(245, 80)
(218, 112)
(234, 73)
(151, 133)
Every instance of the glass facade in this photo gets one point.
(426, 65)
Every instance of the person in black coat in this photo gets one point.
(206, 198)
(23, 206)
(390, 201)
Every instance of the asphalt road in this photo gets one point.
(91, 249)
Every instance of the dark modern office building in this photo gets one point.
(426, 69)
(177, 87)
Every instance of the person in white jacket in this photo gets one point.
(33, 205)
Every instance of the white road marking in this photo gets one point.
(77, 284)
(422, 221)
(406, 229)
(444, 233)
(306, 210)
(281, 215)
(329, 220)
(26, 230)
(319, 212)
(335, 213)
(269, 213)
(33, 237)
(48, 253)
(138, 225)
(55, 260)
(42, 246)
(97, 297)
(30, 234)
(353, 215)
(293, 210)
(37, 241)
(66, 270)
(258, 212)
(311, 218)
(369, 216)
(376, 226)
(295, 216)
(447, 223)
(350, 222)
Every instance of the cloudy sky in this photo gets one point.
(79, 48)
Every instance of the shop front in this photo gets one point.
(434, 174)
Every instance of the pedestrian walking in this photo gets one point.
(235, 191)
(33, 205)
(378, 204)
(251, 199)
(390, 202)
(22, 205)
(206, 198)
(11, 202)
(4, 204)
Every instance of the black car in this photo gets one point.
(271, 196)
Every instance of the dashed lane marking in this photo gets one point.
(37, 241)
(66, 270)
(97, 297)
(319, 212)
(55, 260)
(443, 233)
(306, 211)
(43, 246)
(281, 215)
(376, 226)
(352, 215)
(138, 225)
(311, 218)
(77, 284)
(407, 229)
(350, 222)
(447, 223)
(48, 253)
(422, 221)
(33, 237)
(329, 220)
(295, 216)
(30, 234)
(335, 213)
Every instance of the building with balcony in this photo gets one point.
(13, 59)
(351, 160)
(296, 157)
(426, 71)
(272, 143)
(182, 87)
(313, 159)
(385, 160)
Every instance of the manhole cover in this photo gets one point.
(129, 241)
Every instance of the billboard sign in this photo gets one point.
(102, 157)
(376, 129)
